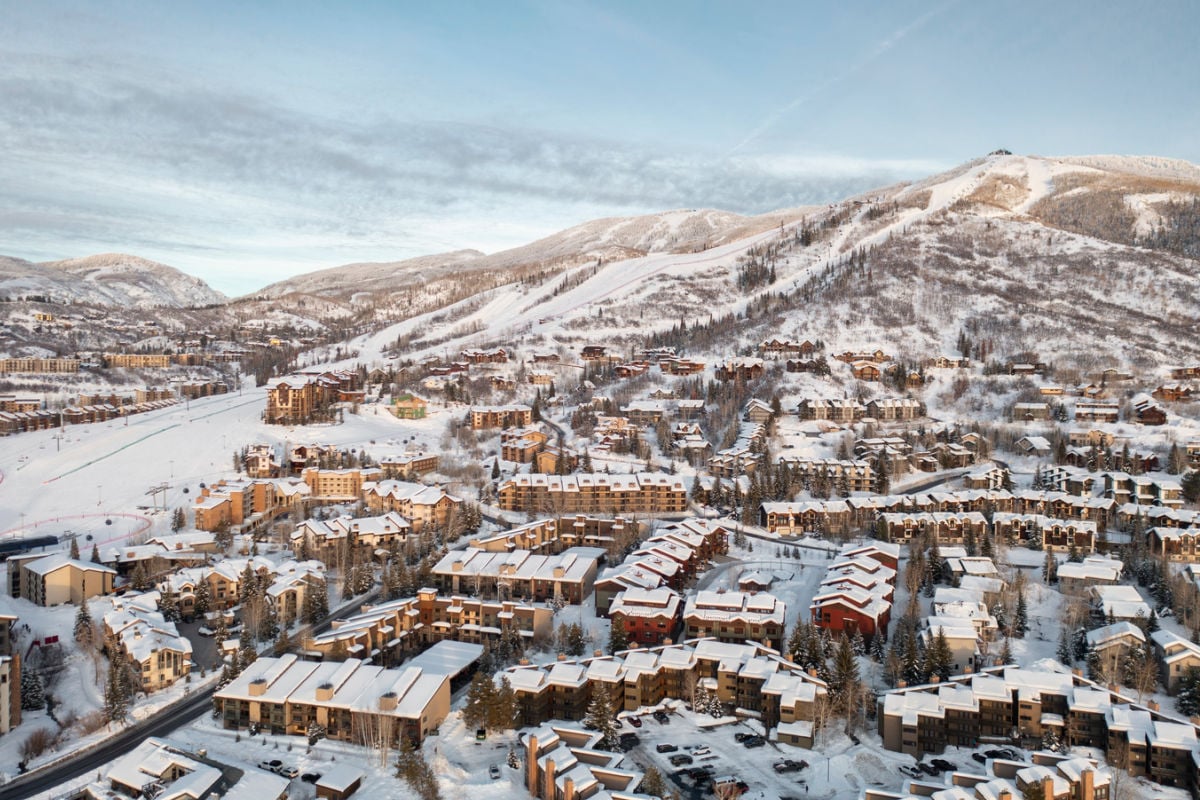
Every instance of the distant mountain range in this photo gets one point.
(1072, 253)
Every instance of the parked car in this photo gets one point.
(741, 736)
(635, 722)
(928, 769)
(911, 771)
(494, 772)
(702, 751)
(289, 772)
(980, 757)
(943, 764)
(480, 734)
(311, 777)
(754, 741)
(679, 759)
(662, 717)
(788, 765)
(665, 748)
(270, 766)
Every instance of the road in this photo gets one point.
(169, 718)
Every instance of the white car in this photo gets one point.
(494, 772)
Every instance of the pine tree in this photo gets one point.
(74, 552)
(878, 650)
(504, 709)
(315, 732)
(140, 577)
(246, 650)
(116, 695)
(283, 642)
(653, 783)
(1006, 654)
(1095, 666)
(939, 660)
(178, 520)
(513, 760)
(481, 696)
(1021, 620)
(1064, 648)
(857, 644)
(85, 629)
(95, 554)
(1050, 568)
(600, 718)
(1188, 699)
(618, 639)
(202, 601)
(33, 696)
(575, 643)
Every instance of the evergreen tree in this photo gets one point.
(618, 639)
(1050, 568)
(178, 520)
(1021, 621)
(283, 642)
(1006, 654)
(168, 606)
(481, 698)
(1095, 666)
(85, 629)
(116, 694)
(414, 770)
(502, 715)
(140, 577)
(202, 599)
(653, 783)
(913, 670)
(246, 650)
(1064, 648)
(878, 650)
(74, 552)
(575, 643)
(315, 732)
(513, 760)
(33, 696)
(600, 718)
(1188, 699)
(95, 554)
(939, 660)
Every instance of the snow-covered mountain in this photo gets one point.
(112, 279)
(1089, 260)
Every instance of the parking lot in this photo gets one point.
(692, 753)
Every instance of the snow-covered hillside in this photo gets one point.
(111, 279)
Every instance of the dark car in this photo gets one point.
(929, 769)
(665, 748)
(741, 736)
(635, 722)
(311, 777)
(754, 741)
(911, 771)
(679, 759)
(662, 717)
(943, 764)
(980, 757)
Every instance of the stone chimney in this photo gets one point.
(562, 656)
(388, 701)
(1152, 705)
(1047, 788)
(258, 687)
(597, 653)
(324, 692)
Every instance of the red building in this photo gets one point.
(649, 616)
(849, 610)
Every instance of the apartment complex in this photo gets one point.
(303, 397)
(519, 574)
(347, 698)
(563, 762)
(510, 416)
(424, 506)
(734, 617)
(1014, 704)
(856, 594)
(392, 631)
(649, 617)
(325, 540)
(10, 676)
(50, 580)
(152, 647)
(135, 361)
(595, 493)
(747, 676)
(52, 366)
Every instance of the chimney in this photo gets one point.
(812, 672)
(1078, 673)
(388, 701)
(597, 653)
(1087, 785)
(935, 678)
(562, 656)
(901, 684)
(1047, 788)
(258, 687)
(324, 692)
(1152, 705)
(524, 662)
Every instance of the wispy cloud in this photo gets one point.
(841, 76)
(103, 157)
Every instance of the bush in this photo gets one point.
(91, 722)
(36, 743)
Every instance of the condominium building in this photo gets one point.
(595, 493)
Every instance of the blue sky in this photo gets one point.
(245, 142)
